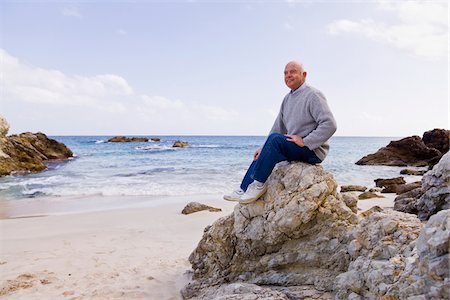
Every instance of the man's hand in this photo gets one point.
(298, 140)
(257, 153)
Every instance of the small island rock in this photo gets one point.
(180, 144)
(124, 139)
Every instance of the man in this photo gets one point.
(300, 133)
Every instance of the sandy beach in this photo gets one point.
(132, 253)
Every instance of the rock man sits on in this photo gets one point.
(300, 133)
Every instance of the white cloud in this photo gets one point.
(421, 29)
(71, 12)
(42, 86)
(105, 96)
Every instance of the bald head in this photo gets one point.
(296, 64)
(294, 75)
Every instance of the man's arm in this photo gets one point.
(278, 125)
(326, 124)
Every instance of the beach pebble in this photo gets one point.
(353, 188)
(369, 195)
(193, 207)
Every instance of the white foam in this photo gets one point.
(156, 148)
(205, 146)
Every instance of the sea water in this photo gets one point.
(211, 165)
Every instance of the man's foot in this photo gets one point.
(253, 193)
(234, 196)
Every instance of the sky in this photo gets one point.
(216, 68)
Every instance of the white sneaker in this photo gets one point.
(253, 193)
(234, 196)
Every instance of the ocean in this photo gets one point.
(211, 165)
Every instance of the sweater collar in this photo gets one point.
(301, 88)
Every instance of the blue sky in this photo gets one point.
(216, 68)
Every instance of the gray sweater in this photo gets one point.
(305, 112)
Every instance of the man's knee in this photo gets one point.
(276, 137)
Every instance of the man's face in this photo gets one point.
(294, 77)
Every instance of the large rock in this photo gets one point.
(436, 187)
(301, 241)
(410, 151)
(393, 257)
(295, 235)
(27, 152)
(438, 139)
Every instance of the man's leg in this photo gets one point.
(248, 176)
(277, 149)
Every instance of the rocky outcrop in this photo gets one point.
(353, 188)
(124, 139)
(180, 144)
(410, 151)
(193, 207)
(437, 139)
(295, 235)
(432, 196)
(302, 241)
(436, 187)
(394, 258)
(4, 127)
(27, 152)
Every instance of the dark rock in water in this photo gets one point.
(27, 152)
(180, 144)
(353, 188)
(193, 207)
(369, 195)
(403, 188)
(410, 151)
(124, 139)
(155, 139)
(413, 172)
(396, 185)
(380, 182)
(438, 139)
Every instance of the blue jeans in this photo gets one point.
(276, 149)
